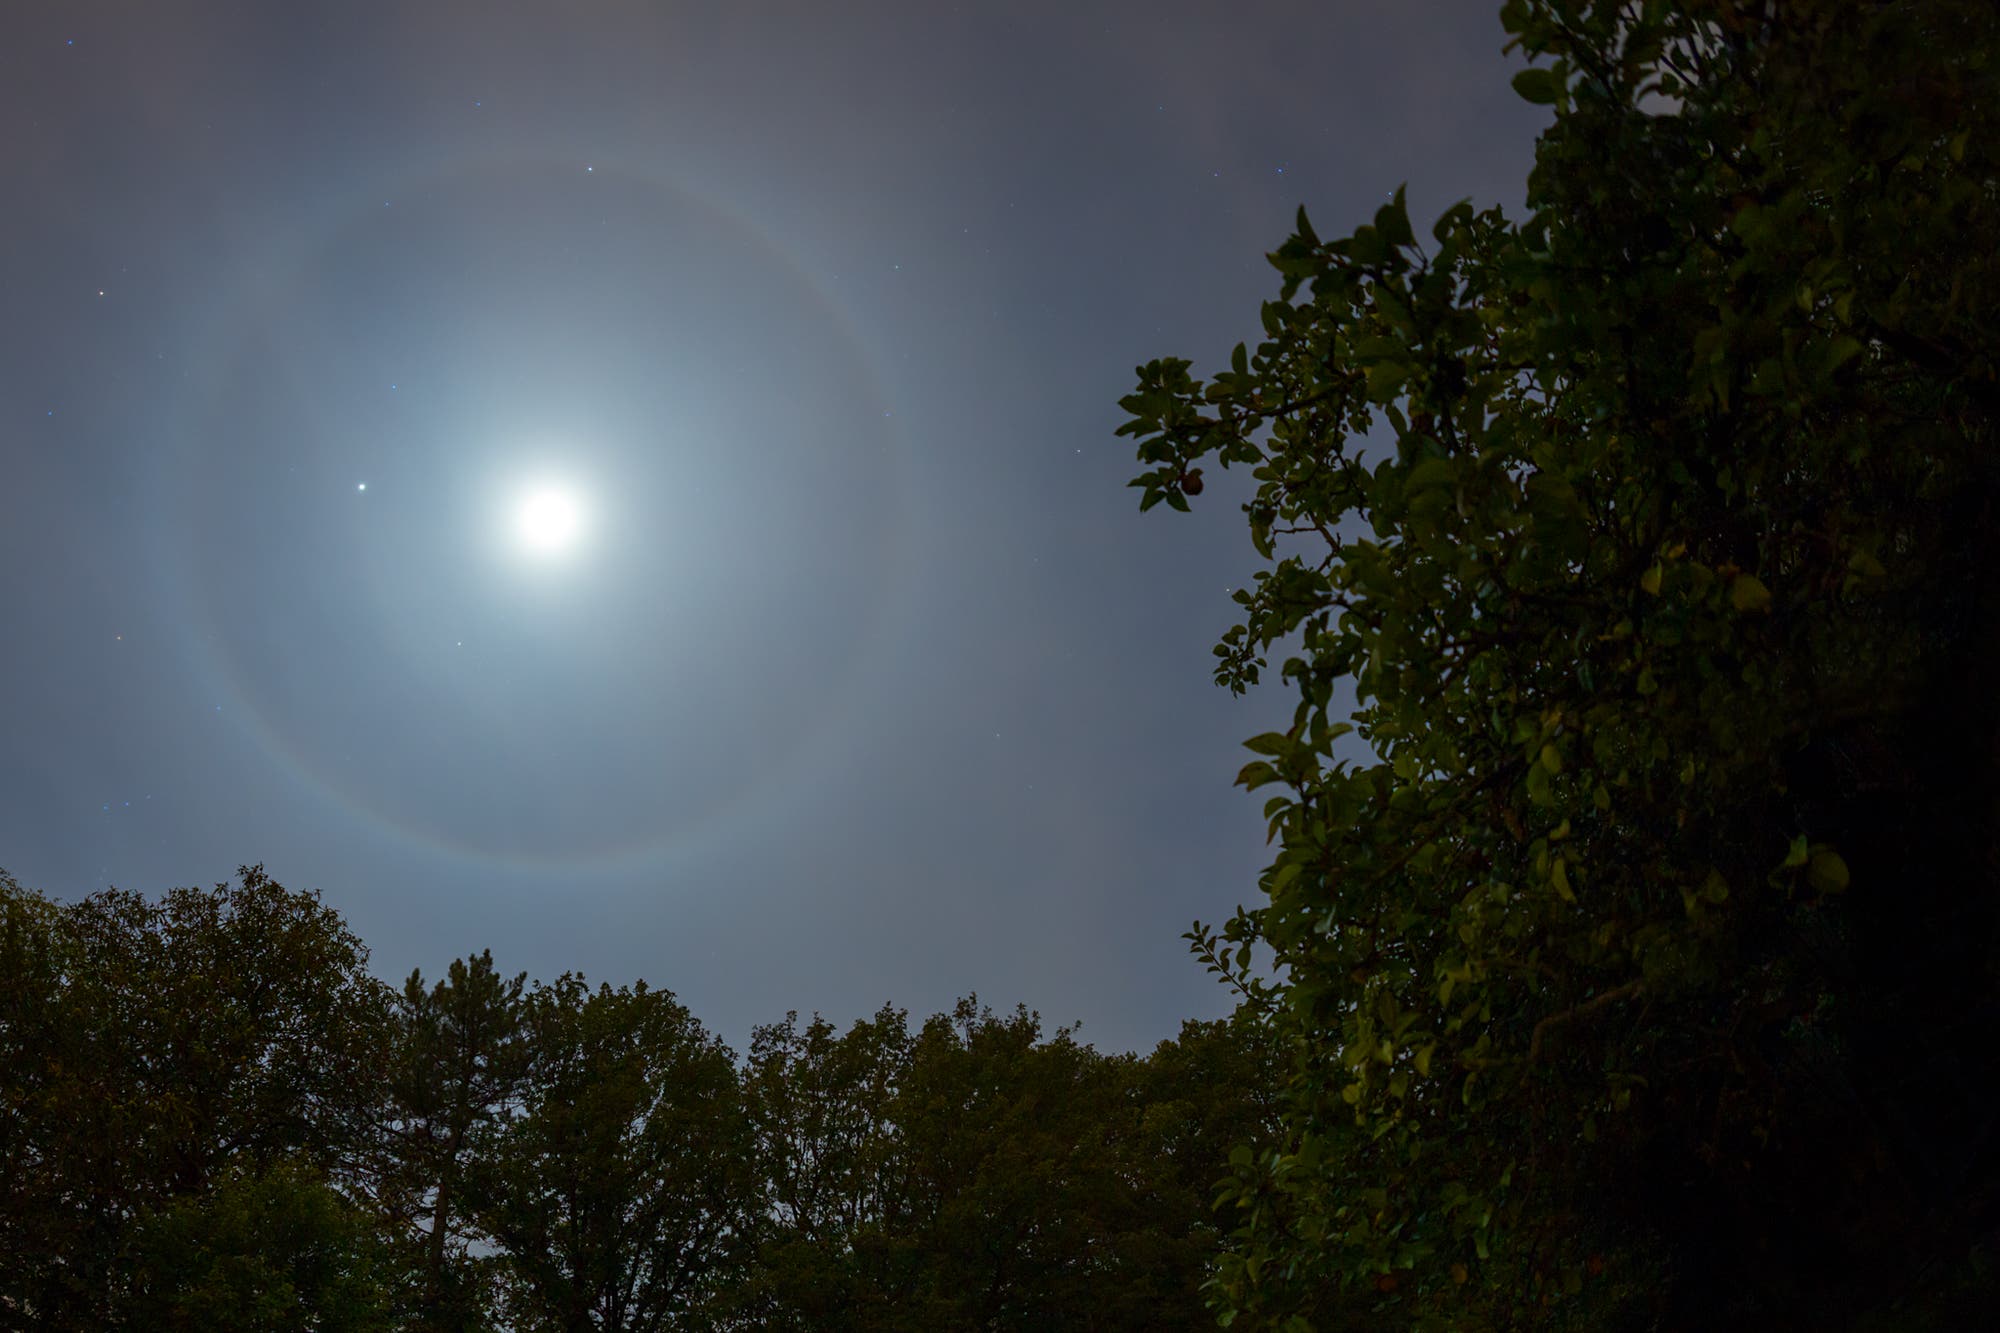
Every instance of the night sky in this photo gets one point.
(830, 662)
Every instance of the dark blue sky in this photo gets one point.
(865, 680)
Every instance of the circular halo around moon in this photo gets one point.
(699, 495)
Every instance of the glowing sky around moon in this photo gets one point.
(572, 655)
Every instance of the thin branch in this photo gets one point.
(1584, 1010)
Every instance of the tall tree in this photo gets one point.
(162, 1047)
(1196, 1098)
(1028, 1189)
(1000, 1144)
(50, 1115)
(822, 1108)
(459, 1057)
(979, 1173)
(621, 1194)
(1635, 904)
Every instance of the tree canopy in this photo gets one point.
(1633, 909)
(213, 1117)
(162, 1051)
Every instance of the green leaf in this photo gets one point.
(1841, 351)
(1256, 774)
(1393, 221)
(1826, 871)
(1430, 474)
(1386, 379)
(1748, 594)
(1538, 785)
(1451, 219)
(1366, 247)
(1540, 85)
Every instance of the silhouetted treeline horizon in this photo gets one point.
(213, 1116)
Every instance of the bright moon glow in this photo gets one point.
(548, 520)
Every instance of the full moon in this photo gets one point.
(548, 520)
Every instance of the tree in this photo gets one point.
(157, 1048)
(1026, 1189)
(262, 1253)
(459, 1057)
(1634, 907)
(621, 1192)
(995, 1146)
(1186, 1107)
(43, 1232)
(979, 1174)
(244, 1017)
(825, 1138)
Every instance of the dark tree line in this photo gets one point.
(212, 1117)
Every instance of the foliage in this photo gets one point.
(822, 1112)
(1633, 906)
(975, 1174)
(39, 1228)
(459, 1057)
(156, 1048)
(212, 1117)
(1012, 1205)
(242, 1024)
(264, 1253)
(621, 1192)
